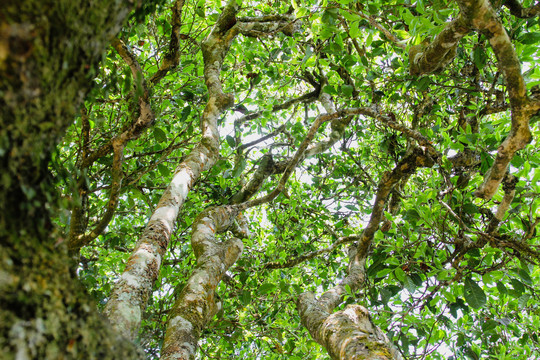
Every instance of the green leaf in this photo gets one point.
(400, 274)
(519, 288)
(423, 83)
(284, 286)
(159, 135)
(525, 276)
(409, 284)
(475, 296)
(164, 170)
(266, 288)
(347, 90)
(522, 301)
(383, 272)
(185, 113)
(417, 279)
(231, 141)
(412, 215)
(489, 325)
(479, 57)
(329, 89)
(239, 168)
(529, 38)
(245, 297)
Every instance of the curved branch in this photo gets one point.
(310, 255)
(264, 138)
(291, 165)
(426, 59)
(340, 120)
(486, 21)
(77, 242)
(129, 296)
(389, 120)
(268, 25)
(519, 11)
(146, 115)
(349, 333)
(171, 58)
(306, 98)
(509, 187)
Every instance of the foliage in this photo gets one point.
(430, 297)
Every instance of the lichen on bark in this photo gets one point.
(45, 72)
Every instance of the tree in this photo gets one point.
(247, 179)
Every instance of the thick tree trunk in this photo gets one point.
(49, 51)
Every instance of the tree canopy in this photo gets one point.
(272, 180)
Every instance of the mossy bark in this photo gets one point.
(49, 51)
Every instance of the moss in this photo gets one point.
(48, 59)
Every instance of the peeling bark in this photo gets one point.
(349, 334)
(433, 57)
(509, 187)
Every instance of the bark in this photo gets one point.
(130, 294)
(77, 236)
(197, 302)
(486, 21)
(350, 333)
(49, 51)
(509, 187)
(432, 57)
(480, 15)
(519, 11)
(171, 58)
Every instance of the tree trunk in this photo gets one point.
(49, 52)
(130, 294)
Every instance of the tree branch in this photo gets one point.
(77, 238)
(430, 58)
(519, 11)
(310, 255)
(197, 303)
(75, 243)
(171, 58)
(485, 20)
(351, 332)
(129, 296)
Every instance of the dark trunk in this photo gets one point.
(49, 51)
